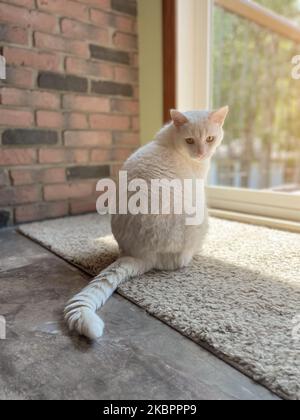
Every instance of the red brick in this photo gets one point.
(45, 100)
(89, 68)
(87, 138)
(57, 43)
(40, 21)
(125, 41)
(18, 97)
(53, 156)
(33, 176)
(66, 191)
(135, 61)
(115, 169)
(51, 175)
(98, 17)
(13, 118)
(124, 23)
(19, 77)
(100, 156)
(79, 156)
(125, 106)
(109, 122)
(136, 92)
(83, 206)
(19, 195)
(125, 75)
(76, 121)
(63, 156)
(14, 34)
(64, 8)
(135, 123)
(41, 211)
(73, 29)
(22, 177)
(10, 96)
(31, 19)
(4, 178)
(29, 4)
(91, 125)
(103, 4)
(50, 119)
(27, 194)
(30, 58)
(13, 14)
(9, 157)
(86, 103)
(126, 139)
(121, 154)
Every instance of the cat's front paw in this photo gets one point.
(84, 321)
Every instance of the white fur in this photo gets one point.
(148, 242)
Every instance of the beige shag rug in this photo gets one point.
(240, 298)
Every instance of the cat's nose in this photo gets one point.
(200, 151)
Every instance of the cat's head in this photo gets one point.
(199, 133)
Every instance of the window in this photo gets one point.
(240, 52)
(252, 72)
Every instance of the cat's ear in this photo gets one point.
(178, 118)
(219, 116)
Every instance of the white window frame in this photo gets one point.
(194, 42)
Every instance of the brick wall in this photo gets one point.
(69, 106)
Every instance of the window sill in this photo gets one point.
(256, 220)
(265, 204)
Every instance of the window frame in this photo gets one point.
(193, 90)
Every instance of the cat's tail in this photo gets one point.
(80, 311)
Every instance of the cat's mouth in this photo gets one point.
(201, 157)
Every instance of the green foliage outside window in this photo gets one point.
(252, 73)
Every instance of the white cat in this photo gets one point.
(181, 150)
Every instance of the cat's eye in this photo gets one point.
(210, 139)
(190, 141)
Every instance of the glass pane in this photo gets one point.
(252, 72)
(286, 8)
